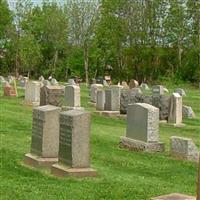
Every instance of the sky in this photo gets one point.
(12, 3)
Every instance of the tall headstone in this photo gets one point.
(50, 95)
(94, 88)
(100, 100)
(72, 96)
(142, 132)
(32, 93)
(74, 147)
(45, 137)
(112, 98)
(158, 90)
(175, 109)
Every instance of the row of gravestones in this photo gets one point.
(39, 94)
(114, 99)
(60, 140)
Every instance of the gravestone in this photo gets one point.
(50, 95)
(144, 86)
(8, 90)
(100, 100)
(175, 110)
(94, 88)
(23, 81)
(174, 196)
(183, 148)
(112, 98)
(133, 84)
(158, 90)
(45, 137)
(32, 93)
(54, 82)
(74, 147)
(72, 96)
(46, 83)
(188, 112)
(71, 82)
(125, 85)
(41, 78)
(10, 79)
(142, 132)
(2, 79)
(180, 91)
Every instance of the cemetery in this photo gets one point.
(100, 99)
(63, 143)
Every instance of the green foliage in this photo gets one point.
(144, 39)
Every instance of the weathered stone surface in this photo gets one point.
(134, 96)
(100, 100)
(137, 145)
(32, 92)
(161, 102)
(112, 98)
(133, 84)
(54, 82)
(180, 91)
(74, 139)
(8, 90)
(125, 85)
(175, 109)
(174, 196)
(74, 150)
(188, 112)
(45, 131)
(50, 95)
(41, 79)
(2, 79)
(143, 122)
(144, 86)
(183, 148)
(158, 90)
(71, 82)
(46, 83)
(93, 91)
(72, 96)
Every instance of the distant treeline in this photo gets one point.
(141, 39)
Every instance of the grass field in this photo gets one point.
(121, 174)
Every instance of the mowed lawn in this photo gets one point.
(121, 174)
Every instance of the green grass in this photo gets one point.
(121, 174)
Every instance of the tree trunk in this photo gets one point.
(86, 64)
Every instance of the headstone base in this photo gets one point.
(29, 103)
(63, 171)
(113, 114)
(163, 121)
(93, 104)
(136, 145)
(122, 116)
(66, 108)
(174, 196)
(39, 162)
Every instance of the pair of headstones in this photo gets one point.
(108, 99)
(60, 140)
